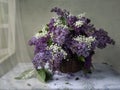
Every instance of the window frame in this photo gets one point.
(10, 50)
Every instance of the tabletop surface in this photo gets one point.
(103, 77)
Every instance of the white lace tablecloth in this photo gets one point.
(103, 77)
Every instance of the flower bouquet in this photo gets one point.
(67, 44)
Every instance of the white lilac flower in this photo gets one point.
(57, 48)
(41, 33)
(79, 23)
(58, 23)
(87, 40)
(37, 35)
(47, 66)
(64, 26)
(81, 15)
(54, 47)
(61, 25)
(39, 67)
(51, 34)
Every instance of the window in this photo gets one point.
(7, 28)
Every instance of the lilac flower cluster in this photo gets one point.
(103, 38)
(81, 49)
(62, 13)
(59, 35)
(40, 44)
(67, 36)
(41, 58)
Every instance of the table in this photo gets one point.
(103, 77)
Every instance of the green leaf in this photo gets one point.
(46, 28)
(81, 58)
(49, 42)
(63, 20)
(70, 28)
(43, 75)
(48, 76)
(26, 74)
(40, 31)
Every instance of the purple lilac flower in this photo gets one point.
(88, 29)
(41, 44)
(103, 38)
(94, 44)
(88, 61)
(41, 58)
(51, 25)
(86, 20)
(60, 12)
(32, 41)
(59, 35)
(81, 49)
(71, 20)
(58, 57)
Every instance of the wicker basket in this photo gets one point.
(71, 66)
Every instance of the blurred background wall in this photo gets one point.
(103, 13)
